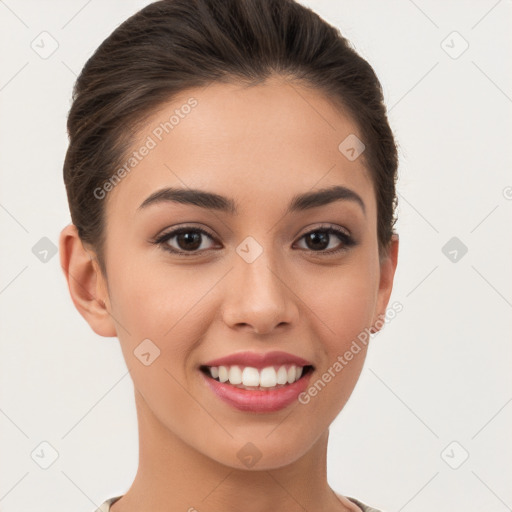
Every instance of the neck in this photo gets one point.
(174, 476)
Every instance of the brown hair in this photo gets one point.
(172, 45)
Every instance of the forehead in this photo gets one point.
(267, 141)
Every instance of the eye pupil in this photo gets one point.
(190, 236)
(317, 236)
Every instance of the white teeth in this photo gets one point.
(223, 373)
(291, 374)
(250, 377)
(235, 375)
(268, 377)
(282, 375)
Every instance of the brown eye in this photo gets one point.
(188, 240)
(319, 239)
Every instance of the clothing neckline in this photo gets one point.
(105, 506)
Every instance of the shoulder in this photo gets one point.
(105, 506)
(360, 506)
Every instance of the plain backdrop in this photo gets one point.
(428, 425)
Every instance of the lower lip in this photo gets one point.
(258, 401)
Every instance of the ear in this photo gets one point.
(86, 283)
(387, 273)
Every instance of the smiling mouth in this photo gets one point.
(268, 378)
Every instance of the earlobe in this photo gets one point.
(387, 274)
(86, 283)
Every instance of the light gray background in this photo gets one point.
(438, 373)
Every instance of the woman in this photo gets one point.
(231, 179)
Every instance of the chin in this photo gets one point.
(266, 449)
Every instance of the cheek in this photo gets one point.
(164, 314)
(341, 305)
(340, 312)
(168, 306)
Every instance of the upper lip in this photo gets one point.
(258, 360)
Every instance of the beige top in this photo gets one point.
(105, 506)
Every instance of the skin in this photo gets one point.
(258, 146)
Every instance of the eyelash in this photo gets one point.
(162, 240)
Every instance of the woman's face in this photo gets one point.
(263, 279)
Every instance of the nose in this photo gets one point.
(259, 297)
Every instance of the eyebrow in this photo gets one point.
(213, 201)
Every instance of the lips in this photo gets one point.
(259, 360)
(255, 382)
